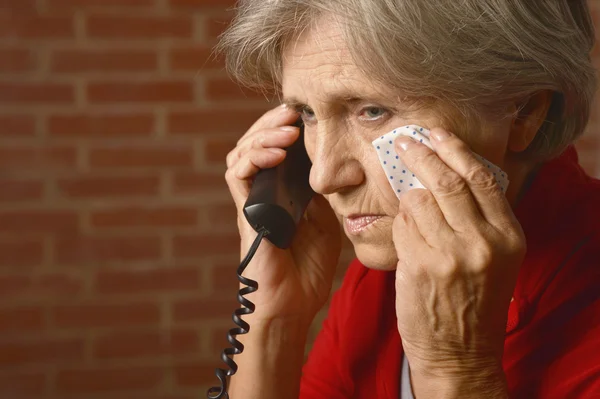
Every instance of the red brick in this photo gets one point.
(102, 125)
(21, 252)
(216, 26)
(16, 60)
(203, 309)
(57, 285)
(148, 395)
(13, 285)
(222, 215)
(134, 282)
(122, 27)
(19, 319)
(216, 150)
(45, 351)
(202, 3)
(145, 217)
(105, 380)
(110, 187)
(21, 385)
(45, 157)
(17, 125)
(105, 61)
(35, 27)
(96, 315)
(75, 250)
(151, 92)
(42, 221)
(18, 6)
(198, 182)
(20, 190)
(199, 245)
(145, 344)
(219, 89)
(31, 93)
(69, 4)
(194, 59)
(43, 287)
(160, 156)
(217, 121)
(221, 279)
(218, 339)
(196, 374)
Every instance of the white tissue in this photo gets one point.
(401, 179)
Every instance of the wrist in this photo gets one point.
(265, 331)
(464, 383)
(270, 365)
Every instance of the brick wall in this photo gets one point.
(117, 237)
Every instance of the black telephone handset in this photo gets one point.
(280, 195)
(276, 203)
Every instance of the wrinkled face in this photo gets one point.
(343, 112)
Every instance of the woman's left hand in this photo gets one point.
(459, 247)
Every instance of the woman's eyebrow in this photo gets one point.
(293, 102)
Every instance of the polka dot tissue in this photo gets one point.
(401, 179)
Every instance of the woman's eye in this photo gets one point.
(372, 113)
(307, 114)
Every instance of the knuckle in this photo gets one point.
(481, 178)
(517, 243)
(231, 157)
(447, 268)
(421, 154)
(484, 256)
(402, 218)
(417, 199)
(449, 183)
(259, 140)
(230, 175)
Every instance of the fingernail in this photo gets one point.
(404, 143)
(284, 106)
(440, 134)
(288, 128)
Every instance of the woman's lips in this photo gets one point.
(359, 223)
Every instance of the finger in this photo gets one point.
(482, 183)
(449, 189)
(238, 177)
(280, 137)
(428, 217)
(257, 159)
(407, 238)
(276, 117)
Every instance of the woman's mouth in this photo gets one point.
(356, 224)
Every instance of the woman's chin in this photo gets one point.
(376, 257)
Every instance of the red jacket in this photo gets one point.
(552, 346)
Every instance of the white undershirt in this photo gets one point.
(405, 387)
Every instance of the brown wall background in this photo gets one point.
(118, 244)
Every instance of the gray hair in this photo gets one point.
(473, 55)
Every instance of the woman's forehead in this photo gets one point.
(319, 64)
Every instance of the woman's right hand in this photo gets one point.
(293, 283)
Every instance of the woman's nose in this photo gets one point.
(336, 166)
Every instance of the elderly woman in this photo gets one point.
(460, 289)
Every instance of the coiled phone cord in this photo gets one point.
(247, 308)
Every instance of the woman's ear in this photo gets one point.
(531, 114)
